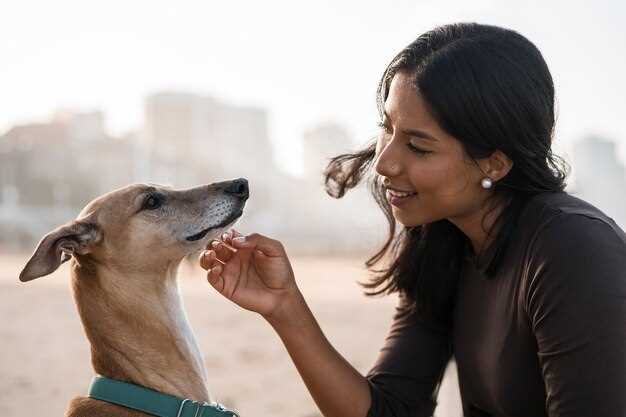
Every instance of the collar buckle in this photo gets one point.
(199, 407)
(182, 404)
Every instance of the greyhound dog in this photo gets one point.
(125, 248)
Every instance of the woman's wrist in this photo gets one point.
(291, 311)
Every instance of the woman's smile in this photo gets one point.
(397, 198)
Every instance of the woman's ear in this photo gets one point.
(497, 165)
(58, 246)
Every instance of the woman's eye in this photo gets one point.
(152, 202)
(417, 150)
(387, 129)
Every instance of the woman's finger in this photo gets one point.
(227, 245)
(228, 236)
(230, 286)
(207, 259)
(221, 251)
(216, 279)
(267, 246)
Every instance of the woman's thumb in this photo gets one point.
(216, 281)
(258, 242)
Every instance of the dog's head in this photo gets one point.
(142, 227)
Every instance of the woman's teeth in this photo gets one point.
(399, 194)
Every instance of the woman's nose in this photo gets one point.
(386, 165)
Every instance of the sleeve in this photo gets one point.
(576, 304)
(405, 378)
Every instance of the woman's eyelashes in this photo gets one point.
(387, 130)
(417, 150)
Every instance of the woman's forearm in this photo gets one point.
(337, 388)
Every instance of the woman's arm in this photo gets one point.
(407, 374)
(336, 387)
(402, 383)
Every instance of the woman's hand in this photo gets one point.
(257, 277)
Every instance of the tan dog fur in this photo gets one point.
(124, 262)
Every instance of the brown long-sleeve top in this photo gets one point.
(545, 337)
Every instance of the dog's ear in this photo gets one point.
(58, 246)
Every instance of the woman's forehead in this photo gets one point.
(408, 111)
(404, 102)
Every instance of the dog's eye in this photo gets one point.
(152, 202)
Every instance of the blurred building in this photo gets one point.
(319, 223)
(81, 126)
(219, 140)
(172, 122)
(600, 177)
(48, 171)
(321, 143)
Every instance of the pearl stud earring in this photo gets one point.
(486, 182)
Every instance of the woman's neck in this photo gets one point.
(481, 233)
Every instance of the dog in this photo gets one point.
(125, 248)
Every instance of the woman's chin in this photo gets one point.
(412, 219)
(408, 221)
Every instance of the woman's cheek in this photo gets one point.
(424, 178)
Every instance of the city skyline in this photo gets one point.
(298, 160)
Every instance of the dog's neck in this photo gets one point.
(138, 329)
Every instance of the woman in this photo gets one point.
(494, 263)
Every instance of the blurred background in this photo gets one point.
(97, 95)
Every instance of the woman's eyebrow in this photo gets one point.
(415, 132)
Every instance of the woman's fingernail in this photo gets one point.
(215, 243)
(225, 236)
(227, 246)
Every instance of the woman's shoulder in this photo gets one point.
(577, 245)
(573, 296)
(559, 214)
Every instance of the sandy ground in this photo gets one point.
(44, 355)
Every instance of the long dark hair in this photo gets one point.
(490, 88)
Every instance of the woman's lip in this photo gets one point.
(399, 190)
(397, 201)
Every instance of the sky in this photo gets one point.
(306, 62)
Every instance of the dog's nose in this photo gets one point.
(238, 187)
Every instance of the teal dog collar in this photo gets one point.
(152, 402)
